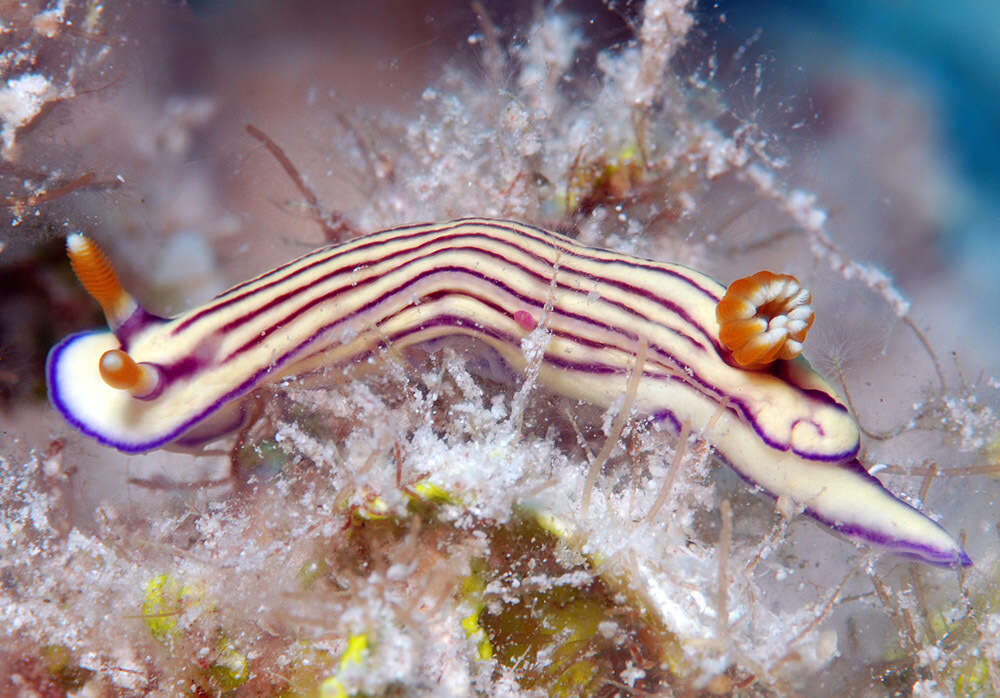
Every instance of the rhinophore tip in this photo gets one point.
(98, 277)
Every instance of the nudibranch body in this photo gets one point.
(151, 381)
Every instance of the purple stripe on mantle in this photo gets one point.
(737, 406)
(741, 405)
(636, 290)
(449, 269)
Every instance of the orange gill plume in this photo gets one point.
(764, 317)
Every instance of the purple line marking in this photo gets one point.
(272, 272)
(334, 293)
(189, 366)
(336, 250)
(900, 546)
(742, 408)
(738, 406)
(375, 240)
(139, 320)
(184, 368)
(667, 415)
(216, 433)
(55, 392)
(547, 238)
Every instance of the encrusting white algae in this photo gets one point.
(440, 524)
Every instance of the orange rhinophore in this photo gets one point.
(764, 317)
(98, 277)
